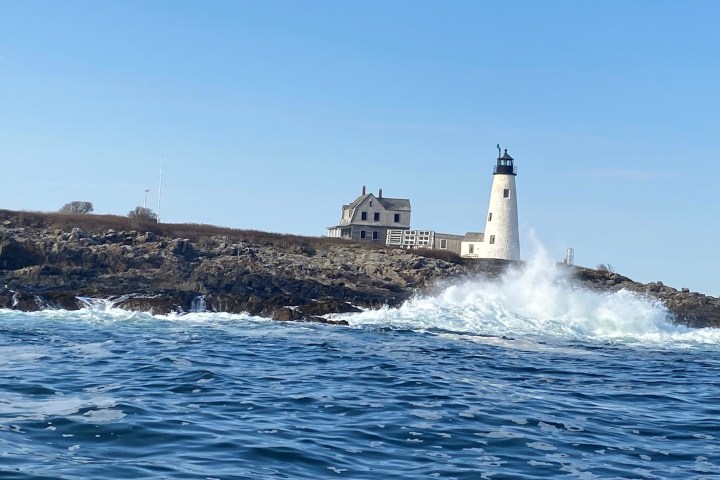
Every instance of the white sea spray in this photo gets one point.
(539, 301)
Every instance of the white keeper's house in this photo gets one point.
(384, 220)
(369, 217)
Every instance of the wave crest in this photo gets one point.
(538, 300)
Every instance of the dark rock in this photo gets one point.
(326, 321)
(16, 254)
(222, 302)
(286, 314)
(157, 305)
(328, 305)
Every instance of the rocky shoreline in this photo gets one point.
(55, 261)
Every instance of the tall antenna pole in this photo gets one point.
(160, 190)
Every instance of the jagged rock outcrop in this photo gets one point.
(693, 309)
(43, 266)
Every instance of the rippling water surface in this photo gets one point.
(522, 378)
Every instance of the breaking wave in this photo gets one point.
(539, 301)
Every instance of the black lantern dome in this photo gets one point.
(505, 165)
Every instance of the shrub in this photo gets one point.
(141, 217)
(76, 207)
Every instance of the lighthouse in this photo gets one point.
(501, 239)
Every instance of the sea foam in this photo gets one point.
(539, 301)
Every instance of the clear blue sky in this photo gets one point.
(271, 114)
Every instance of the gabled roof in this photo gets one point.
(401, 204)
(358, 200)
(398, 204)
(474, 237)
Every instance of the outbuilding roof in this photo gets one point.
(448, 236)
(474, 237)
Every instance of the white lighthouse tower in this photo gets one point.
(502, 239)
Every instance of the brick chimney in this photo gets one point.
(380, 193)
(363, 190)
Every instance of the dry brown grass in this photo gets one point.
(64, 221)
(198, 233)
(195, 232)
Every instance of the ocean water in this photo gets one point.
(525, 377)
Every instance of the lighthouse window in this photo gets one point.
(489, 216)
(376, 216)
(506, 193)
(492, 239)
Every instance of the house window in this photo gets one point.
(443, 243)
(376, 216)
(375, 236)
(506, 193)
(471, 248)
(492, 239)
(371, 203)
(363, 216)
(362, 234)
(490, 217)
(397, 218)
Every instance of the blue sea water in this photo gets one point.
(525, 377)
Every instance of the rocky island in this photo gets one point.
(52, 260)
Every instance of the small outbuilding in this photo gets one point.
(472, 245)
